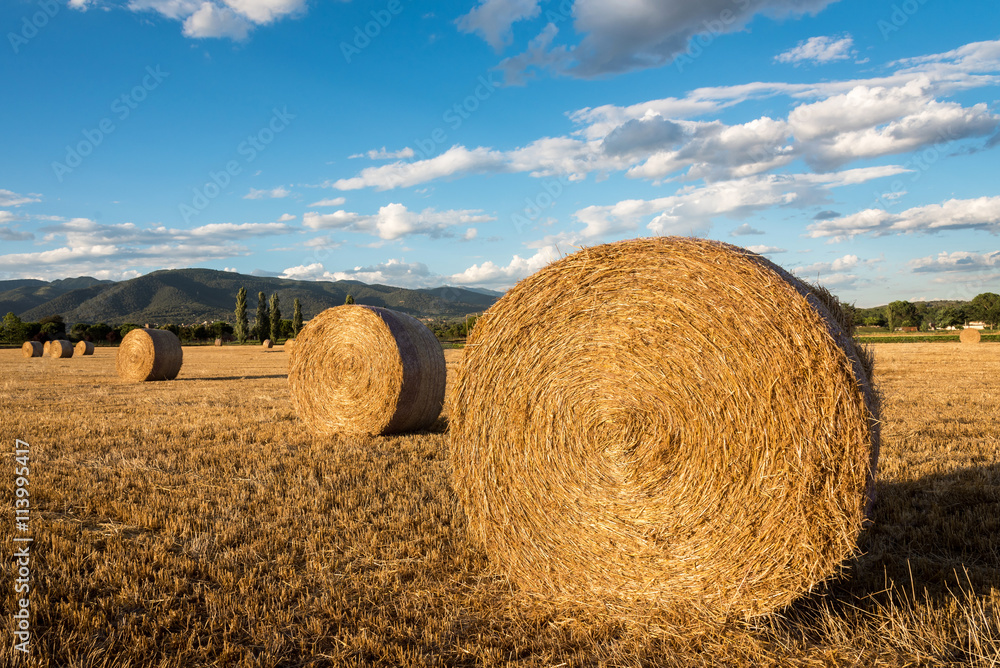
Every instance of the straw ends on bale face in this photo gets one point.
(149, 354)
(365, 370)
(84, 348)
(31, 349)
(267, 345)
(60, 349)
(669, 423)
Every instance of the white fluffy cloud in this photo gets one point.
(456, 160)
(383, 154)
(492, 19)
(819, 50)
(394, 221)
(982, 213)
(958, 261)
(274, 193)
(335, 201)
(840, 265)
(233, 19)
(491, 275)
(765, 250)
(11, 198)
(392, 272)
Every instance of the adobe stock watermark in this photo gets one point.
(899, 16)
(31, 25)
(248, 150)
(455, 116)
(534, 206)
(363, 35)
(22, 552)
(121, 108)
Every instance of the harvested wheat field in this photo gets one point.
(196, 523)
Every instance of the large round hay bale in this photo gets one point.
(149, 354)
(267, 345)
(46, 347)
(84, 348)
(32, 349)
(969, 335)
(665, 423)
(218, 343)
(60, 349)
(366, 370)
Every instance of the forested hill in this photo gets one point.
(196, 295)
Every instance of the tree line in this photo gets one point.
(984, 308)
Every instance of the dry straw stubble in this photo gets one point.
(667, 423)
(84, 348)
(969, 335)
(60, 349)
(149, 354)
(365, 370)
(31, 349)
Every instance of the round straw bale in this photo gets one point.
(45, 348)
(60, 348)
(218, 342)
(149, 354)
(289, 344)
(32, 349)
(358, 370)
(84, 348)
(267, 344)
(665, 423)
(969, 335)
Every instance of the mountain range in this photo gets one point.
(188, 296)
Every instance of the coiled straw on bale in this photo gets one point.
(267, 344)
(60, 348)
(84, 348)
(665, 423)
(149, 354)
(358, 370)
(31, 349)
(969, 335)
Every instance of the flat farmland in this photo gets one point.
(198, 522)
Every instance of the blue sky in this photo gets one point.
(423, 144)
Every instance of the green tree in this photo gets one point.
(297, 318)
(98, 332)
(242, 329)
(221, 328)
(200, 333)
(56, 322)
(126, 328)
(173, 329)
(262, 323)
(901, 314)
(986, 307)
(275, 308)
(13, 329)
(349, 300)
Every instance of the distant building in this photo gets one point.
(978, 324)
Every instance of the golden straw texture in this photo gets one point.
(359, 370)
(666, 423)
(218, 342)
(267, 344)
(60, 348)
(969, 335)
(31, 349)
(84, 348)
(149, 354)
(46, 347)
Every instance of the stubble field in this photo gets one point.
(197, 522)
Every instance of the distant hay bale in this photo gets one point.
(358, 370)
(46, 347)
(149, 354)
(84, 348)
(665, 423)
(289, 344)
(267, 344)
(60, 349)
(969, 335)
(32, 349)
(218, 343)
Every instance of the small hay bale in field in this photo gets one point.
(60, 349)
(666, 423)
(46, 347)
(218, 342)
(32, 349)
(267, 345)
(84, 348)
(969, 335)
(289, 344)
(149, 354)
(358, 370)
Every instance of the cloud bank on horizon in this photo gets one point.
(840, 146)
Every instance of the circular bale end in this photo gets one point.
(60, 349)
(149, 354)
(218, 343)
(365, 370)
(665, 423)
(969, 335)
(84, 348)
(32, 349)
(267, 345)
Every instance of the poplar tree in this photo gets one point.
(242, 325)
(275, 318)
